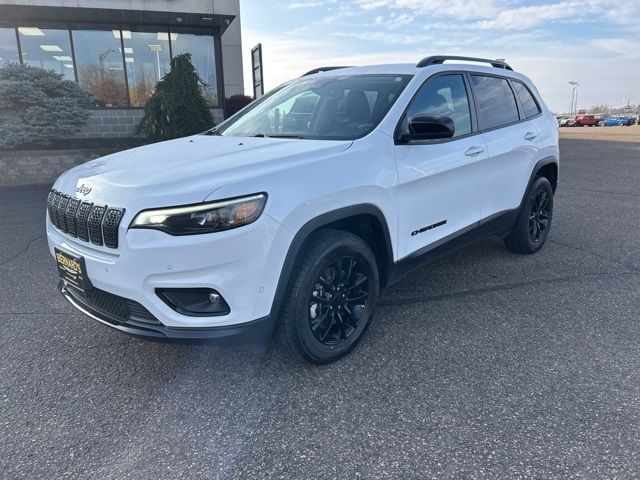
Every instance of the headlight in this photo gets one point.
(204, 217)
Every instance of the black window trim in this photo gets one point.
(535, 100)
(18, 45)
(518, 108)
(521, 116)
(472, 112)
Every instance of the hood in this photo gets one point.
(186, 170)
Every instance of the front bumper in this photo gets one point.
(242, 264)
(257, 331)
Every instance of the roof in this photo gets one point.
(412, 69)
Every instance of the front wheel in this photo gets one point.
(331, 297)
(532, 226)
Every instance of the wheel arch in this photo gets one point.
(365, 220)
(548, 168)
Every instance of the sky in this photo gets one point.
(595, 42)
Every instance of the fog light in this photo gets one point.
(195, 302)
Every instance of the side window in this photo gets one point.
(529, 105)
(495, 101)
(445, 95)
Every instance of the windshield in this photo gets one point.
(331, 108)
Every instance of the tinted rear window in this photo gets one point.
(495, 101)
(527, 101)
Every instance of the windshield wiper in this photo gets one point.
(213, 131)
(299, 137)
(276, 135)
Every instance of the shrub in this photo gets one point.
(177, 108)
(235, 103)
(38, 106)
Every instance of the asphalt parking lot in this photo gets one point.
(485, 364)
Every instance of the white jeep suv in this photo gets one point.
(295, 212)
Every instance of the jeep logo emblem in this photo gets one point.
(83, 190)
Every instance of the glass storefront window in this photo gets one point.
(202, 50)
(8, 46)
(48, 49)
(100, 66)
(107, 60)
(147, 60)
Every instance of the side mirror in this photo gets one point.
(429, 127)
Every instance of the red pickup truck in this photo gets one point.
(585, 120)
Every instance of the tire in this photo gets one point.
(331, 297)
(532, 226)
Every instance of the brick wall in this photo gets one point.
(120, 123)
(111, 123)
(24, 167)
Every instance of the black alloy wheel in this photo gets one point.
(338, 300)
(539, 216)
(533, 224)
(331, 297)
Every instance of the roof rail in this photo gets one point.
(439, 59)
(322, 69)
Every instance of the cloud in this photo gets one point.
(306, 4)
(372, 4)
(397, 21)
(463, 9)
(535, 15)
(387, 37)
(541, 40)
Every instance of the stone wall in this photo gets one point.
(24, 167)
(42, 166)
(110, 123)
(120, 123)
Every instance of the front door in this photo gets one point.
(440, 181)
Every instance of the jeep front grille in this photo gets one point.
(86, 221)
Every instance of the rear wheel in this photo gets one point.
(331, 298)
(531, 228)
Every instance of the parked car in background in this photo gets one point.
(585, 120)
(564, 121)
(615, 122)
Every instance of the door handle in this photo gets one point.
(473, 151)
(530, 136)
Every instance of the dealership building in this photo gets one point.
(118, 49)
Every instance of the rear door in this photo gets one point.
(440, 181)
(511, 139)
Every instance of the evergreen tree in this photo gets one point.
(38, 106)
(177, 108)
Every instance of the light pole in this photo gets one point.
(101, 58)
(157, 49)
(574, 97)
(628, 109)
